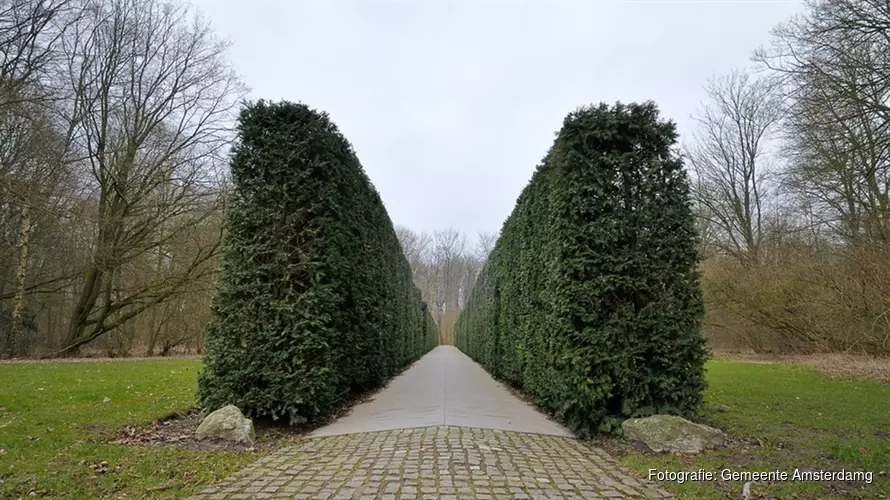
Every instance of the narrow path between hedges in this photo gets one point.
(443, 429)
(445, 387)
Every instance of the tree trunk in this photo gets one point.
(155, 324)
(82, 309)
(152, 336)
(18, 301)
(93, 282)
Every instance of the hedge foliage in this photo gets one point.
(315, 298)
(590, 300)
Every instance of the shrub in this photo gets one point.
(590, 300)
(801, 298)
(315, 298)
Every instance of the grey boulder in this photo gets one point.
(227, 423)
(669, 433)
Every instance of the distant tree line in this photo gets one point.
(444, 266)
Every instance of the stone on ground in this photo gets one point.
(227, 423)
(669, 433)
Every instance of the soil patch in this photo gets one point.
(178, 430)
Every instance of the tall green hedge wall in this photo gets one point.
(590, 300)
(315, 298)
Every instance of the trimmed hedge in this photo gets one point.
(315, 298)
(590, 300)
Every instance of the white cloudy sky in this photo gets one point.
(451, 104)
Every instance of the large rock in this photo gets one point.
(227, 423)
(672, 434)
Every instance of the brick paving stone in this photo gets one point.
(435, 462)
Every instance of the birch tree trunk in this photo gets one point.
(16, 329)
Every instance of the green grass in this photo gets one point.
(804, 419)
(54, 425)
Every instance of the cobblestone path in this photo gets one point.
(435, 463)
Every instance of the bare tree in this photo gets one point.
(30, 173)
(835, 63)
(470, 267)
(418, 250)
(730, 162)
(30, 31)
(152, 98)
(114, 120)
(826, 289)
(839, 168)
(449, 246)
(445, 269)
(842, 44)
(472, 264)
(31, 147)
(485, 245)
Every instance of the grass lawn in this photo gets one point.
(804, 419)
(55, 430)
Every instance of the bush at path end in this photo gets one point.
(590, 300)
(315, 297)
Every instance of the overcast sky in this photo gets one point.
(450, 105)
